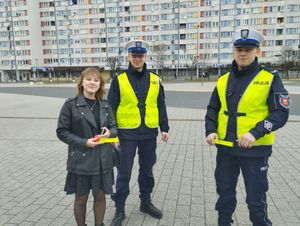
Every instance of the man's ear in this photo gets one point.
(258, 51)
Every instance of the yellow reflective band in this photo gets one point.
(109, 140)
(224, 143)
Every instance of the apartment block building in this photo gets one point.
(59, 36)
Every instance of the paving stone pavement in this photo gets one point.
(33, 162)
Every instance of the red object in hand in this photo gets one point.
(96, 138)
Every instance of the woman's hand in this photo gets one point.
(92, 142)
(105, 132)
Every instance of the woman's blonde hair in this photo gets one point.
(88, 71)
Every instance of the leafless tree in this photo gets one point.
(288, 60)
(158, 50)
(113, 63)
(203, 65)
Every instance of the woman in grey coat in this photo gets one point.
(84, 120)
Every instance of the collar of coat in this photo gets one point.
(86, 112)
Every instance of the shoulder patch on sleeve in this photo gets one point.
(268, 125)
(284, 100)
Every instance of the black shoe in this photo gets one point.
(118, 218)
(148, 207)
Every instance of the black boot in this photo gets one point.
(148, 207)
(118, 218)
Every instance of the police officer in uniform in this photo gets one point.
(138, 100)
(248, 104)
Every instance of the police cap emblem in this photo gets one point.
(244, 33)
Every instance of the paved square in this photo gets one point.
(33, 162)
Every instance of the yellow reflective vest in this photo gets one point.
(252, 107)
(128, 112)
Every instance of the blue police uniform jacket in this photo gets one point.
(140, 83)
(237, 84)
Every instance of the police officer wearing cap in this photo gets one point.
(248, 104)
(138, 100)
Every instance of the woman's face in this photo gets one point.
(90, 84)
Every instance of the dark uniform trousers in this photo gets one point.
(147, 159)
(254, 171)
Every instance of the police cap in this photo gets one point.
(247, 38)
(137, 46)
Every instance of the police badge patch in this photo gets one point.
(284, 101)
(268, 125)
(244, 33)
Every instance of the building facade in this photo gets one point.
(59, 36)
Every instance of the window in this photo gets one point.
(291, 31)
(278, 43)
(182, 26)
(270, 42)
(182, 36)
(291, 42)
(279, 31)
(280, 20)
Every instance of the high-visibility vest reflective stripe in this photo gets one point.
(128, 112)
(252, 107)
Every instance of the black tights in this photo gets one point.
(80, 208)
(99, 207)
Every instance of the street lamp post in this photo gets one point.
(70, 31)
(14, 42)
(56, 35)
(178, 47)
(219, 37)
(106, 28)
(185, 50)
(198, 40)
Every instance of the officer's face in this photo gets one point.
(137, 60)
(244, 56)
